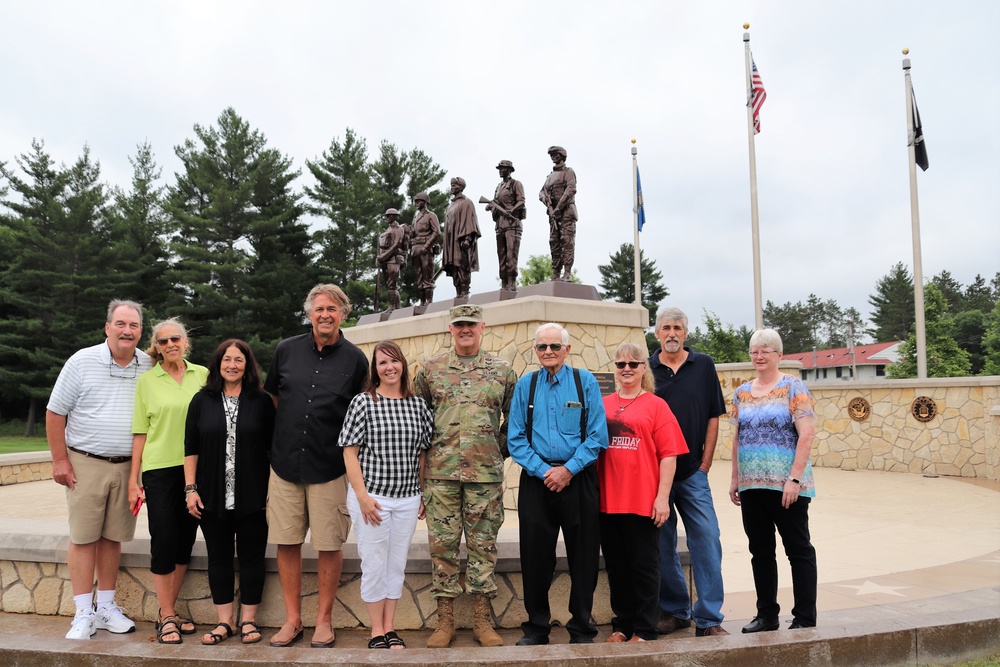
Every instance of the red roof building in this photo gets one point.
(869, 360)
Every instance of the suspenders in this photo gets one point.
(531, 404)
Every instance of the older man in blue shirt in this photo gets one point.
(555, 432)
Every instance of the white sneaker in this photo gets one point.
(113, 619)
(83, 625)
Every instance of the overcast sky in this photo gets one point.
(472, 83)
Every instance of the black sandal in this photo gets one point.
(215, 638)
(168, 626)
(378, 642)
(244, 633)
(392, 639)
(186, 621)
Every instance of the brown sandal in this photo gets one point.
(214, 638)
(168, 626)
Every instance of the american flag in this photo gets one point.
(758, 97)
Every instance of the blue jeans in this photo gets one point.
(692, 499)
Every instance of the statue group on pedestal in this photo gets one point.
(460, 243)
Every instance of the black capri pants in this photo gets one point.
(172, 529)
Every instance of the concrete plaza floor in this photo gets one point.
(883, 540)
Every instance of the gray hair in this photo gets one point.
(671, 314)
(173, 322)
(766, 338)
(552, 325)
(336, 295)
(122, 303)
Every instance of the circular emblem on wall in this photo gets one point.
(923, 408)
(859, 409)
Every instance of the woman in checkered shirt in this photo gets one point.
(385, 435)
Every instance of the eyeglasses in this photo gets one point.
(555, 347)
(631, 364)
(762, 353)
(176, 338)
(130, 372)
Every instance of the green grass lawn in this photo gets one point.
(15, 444)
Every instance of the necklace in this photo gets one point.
(618, 396)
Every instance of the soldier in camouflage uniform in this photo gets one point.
(469, 392)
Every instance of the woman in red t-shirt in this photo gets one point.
(635, 474)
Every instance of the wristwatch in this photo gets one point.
(792, 479)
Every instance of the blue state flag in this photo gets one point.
(638, 199)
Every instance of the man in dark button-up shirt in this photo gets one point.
(313, 378)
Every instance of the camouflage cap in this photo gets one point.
(506, 164)
(465, 313)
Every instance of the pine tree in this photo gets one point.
(52, 287)
(793, 324)
(893, 314)
(944, 357)
(241, 250)
(137, 254)
(618, 280)
(344, 194)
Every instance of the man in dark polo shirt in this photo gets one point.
(687, 381)
(313, 378)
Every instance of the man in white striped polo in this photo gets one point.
(89, 427)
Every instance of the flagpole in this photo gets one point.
(918, 273)
(635, 227)
(757, 299)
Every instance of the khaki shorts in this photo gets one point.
(98, 506)
(292, 509)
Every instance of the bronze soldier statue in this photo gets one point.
(461, 239)
(559, 196)
(426, 246)
(392, 251)
(508, 211)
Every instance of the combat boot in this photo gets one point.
(482, 624)
(444, 633)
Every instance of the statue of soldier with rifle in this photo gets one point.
(461, 240)
(508, 211)
(426, 245)
(393, 246)
(559, 196)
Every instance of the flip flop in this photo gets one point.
(184, 630)
(246, 633)
(215, 638)
(168, 626)
(296, 637)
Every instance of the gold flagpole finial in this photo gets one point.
(633, 140)
(746, 26)
(906, 51)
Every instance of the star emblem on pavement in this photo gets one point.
(871, 588)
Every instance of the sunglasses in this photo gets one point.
(173, 339)
(631, 364)
(555, 347)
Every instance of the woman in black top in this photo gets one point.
(227, 442)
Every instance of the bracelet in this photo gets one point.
(190, 487)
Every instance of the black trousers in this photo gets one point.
(172, 529)
(762, 514)
(248, 534)
(541, 514)
(631, 546)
